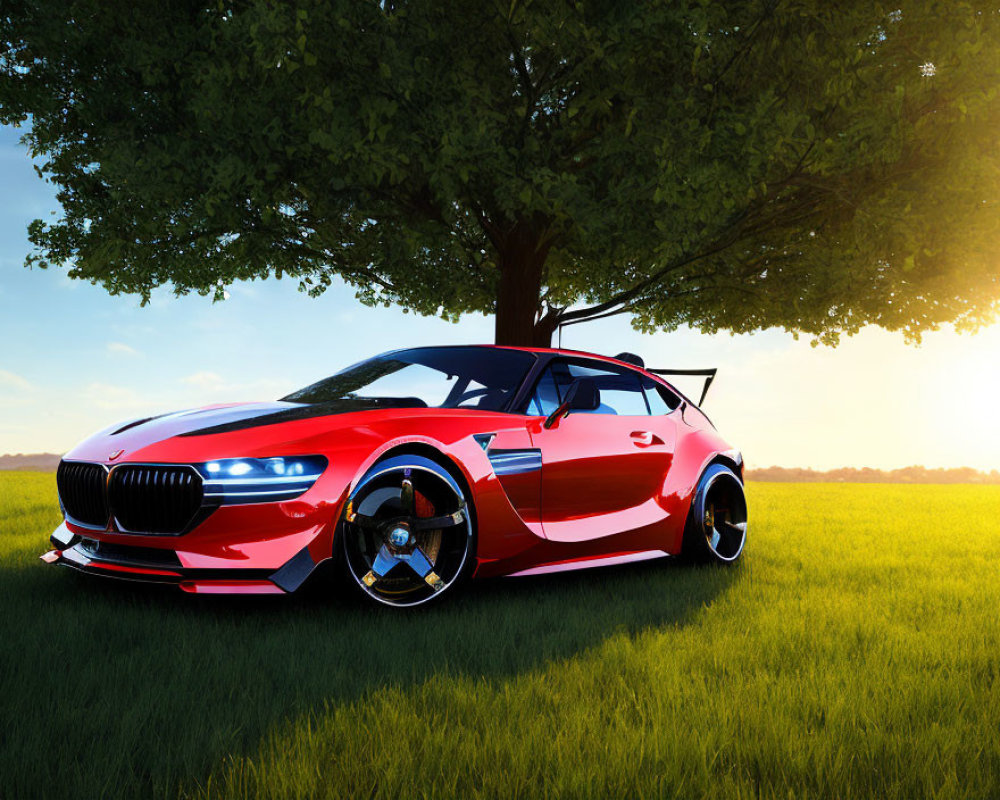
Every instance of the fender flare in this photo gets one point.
(404, 461)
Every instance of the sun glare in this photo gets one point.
(976, 363)
(873, 401)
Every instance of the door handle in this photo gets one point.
(645, 438)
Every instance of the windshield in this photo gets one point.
(427, 377)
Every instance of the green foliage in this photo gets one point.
(737, 166)
(848, 656)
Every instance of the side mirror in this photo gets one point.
(583, 395)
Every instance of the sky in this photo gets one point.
(73, 360)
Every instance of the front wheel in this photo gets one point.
(716, 530)
(407, 532)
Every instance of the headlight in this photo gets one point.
(259, 480)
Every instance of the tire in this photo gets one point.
(404, 547)
(717, 523)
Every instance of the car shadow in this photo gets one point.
(158, 687)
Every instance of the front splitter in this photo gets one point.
(70, 550)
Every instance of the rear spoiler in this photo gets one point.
(707, 374)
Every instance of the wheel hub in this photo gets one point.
(399, 536)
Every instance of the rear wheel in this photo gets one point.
(407, 532)
(717, 523)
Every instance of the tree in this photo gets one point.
(809, 165)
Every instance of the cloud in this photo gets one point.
(206, 381)
(10, 380)
(215, 387)
(122, 349)
(109, 396)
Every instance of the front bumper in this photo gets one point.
(160, 565)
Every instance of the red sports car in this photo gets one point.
(415, 470)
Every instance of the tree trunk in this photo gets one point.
(521, 261)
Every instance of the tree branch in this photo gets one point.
(685, 293)
(630, 294)
(328, 257)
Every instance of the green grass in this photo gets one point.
(854, 653)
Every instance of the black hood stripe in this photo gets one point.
(308, 411)
(135, 424)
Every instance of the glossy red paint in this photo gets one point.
(589, 563)
(230, 587)
(134, 571)
(603, 474)
(610, 488)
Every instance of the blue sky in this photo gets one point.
(75, 359)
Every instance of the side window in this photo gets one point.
(621, 391)
(661, 400)
(546, 398)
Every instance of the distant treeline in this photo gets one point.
(869, 475)
(47, 462)
(39, 462)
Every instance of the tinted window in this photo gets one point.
(661, 400)
(441, 377)
(545, 399)
(620, 390)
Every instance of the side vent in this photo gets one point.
(484, 439)
(515, 462)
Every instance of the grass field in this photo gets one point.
(854, 653)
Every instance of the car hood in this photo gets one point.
(126, 441)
